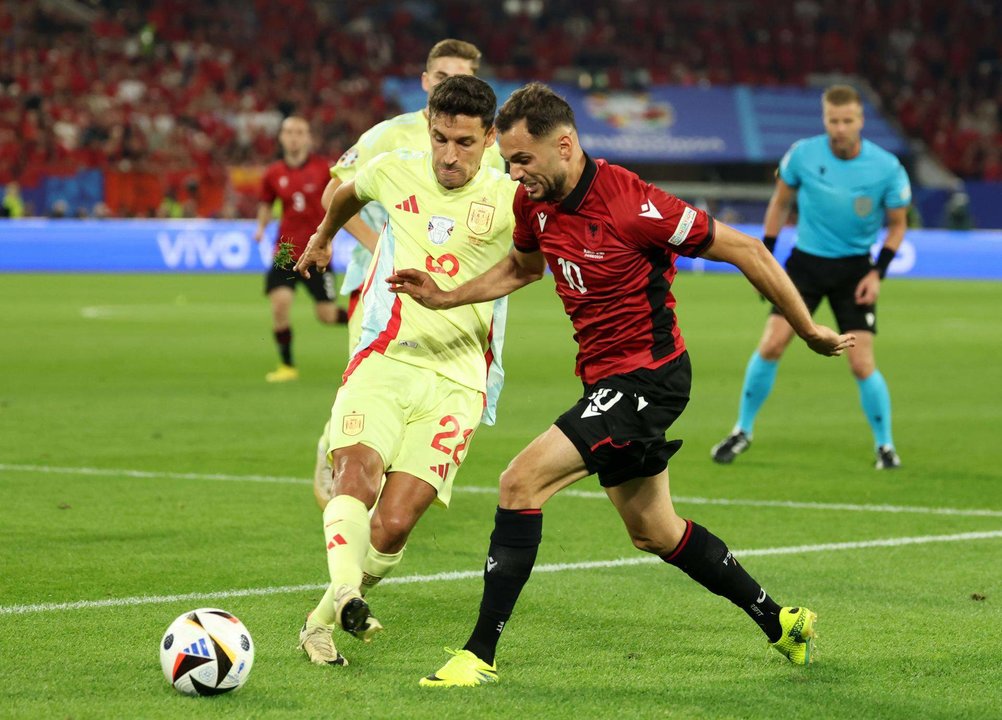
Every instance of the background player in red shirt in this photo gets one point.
(298, 180)
(610, 240)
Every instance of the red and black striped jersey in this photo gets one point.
(611, 245)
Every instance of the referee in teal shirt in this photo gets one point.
(845, 187)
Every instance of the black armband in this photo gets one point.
(770, 243)
(884, 261)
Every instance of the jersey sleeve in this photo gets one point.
(346, 166)
(789, 166)
(523, 236)
(268, 193)
(367, 177)
(899, 189)
(373, 142)
(663, 221)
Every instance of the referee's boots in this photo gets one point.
(887, 459)
(730, 447)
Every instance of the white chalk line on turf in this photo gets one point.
(472, 489)
(471, 574)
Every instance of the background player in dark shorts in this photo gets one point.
(610, 240)
(298, 180)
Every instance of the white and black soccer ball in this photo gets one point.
(206, 652)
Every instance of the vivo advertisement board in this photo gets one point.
(207, 246)
(39, 245)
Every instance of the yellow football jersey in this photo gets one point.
(453, 234)
(410, 131)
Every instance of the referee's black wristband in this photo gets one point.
(884, 261)
(770, 243)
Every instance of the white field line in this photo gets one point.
(685, 500)
(199, 597)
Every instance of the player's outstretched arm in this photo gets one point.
(344, 204)
(517, 270)
(758, 265)
(366, 236)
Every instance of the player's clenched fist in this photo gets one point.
(317, 254)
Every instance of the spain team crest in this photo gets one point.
(480, 218)
(352, 424)
(440, 228)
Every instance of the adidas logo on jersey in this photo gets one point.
(408, 205)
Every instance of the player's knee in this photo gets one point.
(516, 488)
(327, 313)
(771, 348)
(393, 531)
(659, 541)
(644, 543)
(862, 369)
(357, 474)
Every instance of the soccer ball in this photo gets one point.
(206, 652)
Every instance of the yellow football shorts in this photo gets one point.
(418, 421)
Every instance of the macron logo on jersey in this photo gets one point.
(648, 210)
(408, 205)
(542, 220)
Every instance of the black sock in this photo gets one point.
(705, 558)
(284, 340)
(512, 553)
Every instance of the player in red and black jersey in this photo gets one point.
(610, 240)
(298, 180)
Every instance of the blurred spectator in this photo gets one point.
(163, 90)
(958, 212)
(60, 209)
(12, 205)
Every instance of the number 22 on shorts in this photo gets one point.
(452, 431)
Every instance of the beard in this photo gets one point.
(552, 188)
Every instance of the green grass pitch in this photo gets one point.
(142, 455)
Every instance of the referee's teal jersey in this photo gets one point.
(841, 203)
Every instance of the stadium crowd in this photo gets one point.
(186, 90)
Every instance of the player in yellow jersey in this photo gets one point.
(419, 381)
(410, 130)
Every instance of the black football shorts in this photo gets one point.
(320, 284)
(835, 278)
(619, 424)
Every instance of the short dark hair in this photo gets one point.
(463, 95)
(541, 108)
(453, 48)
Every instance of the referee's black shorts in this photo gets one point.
(320, 284)
(619, 424)
(835, 278)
